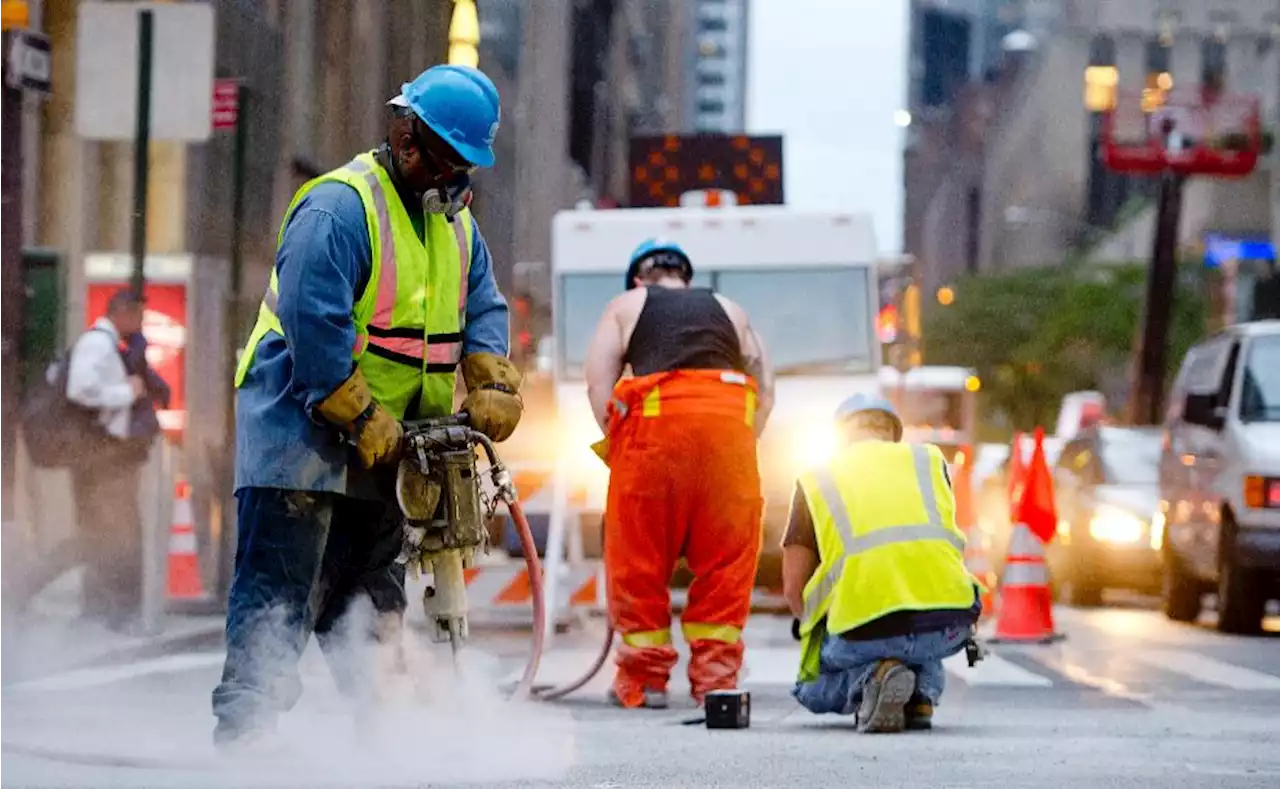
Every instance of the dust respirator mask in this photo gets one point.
(448, 199)
(451, 190)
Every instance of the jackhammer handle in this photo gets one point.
(460, 419)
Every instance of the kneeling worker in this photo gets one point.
(681, 446)
(873, 567)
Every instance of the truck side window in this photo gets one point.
(1228, 377)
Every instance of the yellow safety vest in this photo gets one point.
(410, 317)
(884, 518)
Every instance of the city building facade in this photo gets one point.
(716, 60)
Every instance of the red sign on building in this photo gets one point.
(164, 324)
(226, 104)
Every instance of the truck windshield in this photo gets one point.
(1260, 392)
(932, 408)
(814, 321)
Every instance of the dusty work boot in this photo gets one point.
(632, 697)
(248, 742)
(919, 713)
(884, 698)
(650, 699)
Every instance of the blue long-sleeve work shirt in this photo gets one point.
(323, 264)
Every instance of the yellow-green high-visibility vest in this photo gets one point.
(410, 317)
(884, 518)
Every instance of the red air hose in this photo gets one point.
(524, 689)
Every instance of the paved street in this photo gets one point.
(1127, 700)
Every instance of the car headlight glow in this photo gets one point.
(813, 445)
(1114, 525)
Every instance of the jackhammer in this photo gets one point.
(446, 509)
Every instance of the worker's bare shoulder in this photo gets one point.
(734, 310)
(626, 305)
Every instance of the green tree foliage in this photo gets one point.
(1035, 335)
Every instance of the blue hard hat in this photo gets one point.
(655, 246)
(861, 403)
(460, 104)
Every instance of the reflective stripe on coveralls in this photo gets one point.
(1025, 565)
(684, 481)
(911, 566)
(651, 407)
(400, 325)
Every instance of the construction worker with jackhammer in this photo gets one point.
(382, 290)
(681, 447)
(873, 569)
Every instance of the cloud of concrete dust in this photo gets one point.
(427, 725)
(49, 637)
(424, 724)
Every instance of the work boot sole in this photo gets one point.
(883, 707)
(653, 699)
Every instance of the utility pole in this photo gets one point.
(141, 150)
(1147, 404)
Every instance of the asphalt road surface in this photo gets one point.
(1128, 699)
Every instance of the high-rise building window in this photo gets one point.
(708, 107)
(712, 24)
(710, 79)
(945, 55)
(1101, 77)
(1213, 63)
(1159, 55)
(1159, 79)
(1108, 191)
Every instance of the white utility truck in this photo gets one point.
(807, 279)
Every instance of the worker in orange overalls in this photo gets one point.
(680, 440)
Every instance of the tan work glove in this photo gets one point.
(376, 432)
(493, 400)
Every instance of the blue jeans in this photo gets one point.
(302, 558)
(846, 667)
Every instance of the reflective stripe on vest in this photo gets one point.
(408, 345)
(270, 300)
(816, 601)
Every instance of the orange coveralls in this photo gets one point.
(684, 481)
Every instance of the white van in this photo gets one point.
(1220, 478)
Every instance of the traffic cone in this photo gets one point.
(184, 562)
(1026, 603)
(1017, 470)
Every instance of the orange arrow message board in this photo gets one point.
(665, 167)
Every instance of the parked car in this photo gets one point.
(1106, 487)
(1220, 478)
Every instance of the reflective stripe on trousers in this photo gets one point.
(853, 545)
(407, 345)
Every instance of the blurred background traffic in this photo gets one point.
(983, 200)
